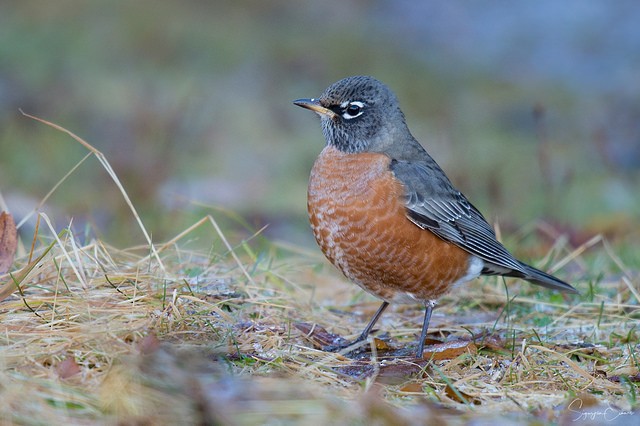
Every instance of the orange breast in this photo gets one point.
(358, 218)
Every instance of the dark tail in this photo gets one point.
(538, 277)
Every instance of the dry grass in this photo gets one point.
(165, 335)
(98, 333)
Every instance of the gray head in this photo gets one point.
(359, 114)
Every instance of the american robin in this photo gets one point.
(385, 213)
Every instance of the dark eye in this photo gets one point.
(352, 110)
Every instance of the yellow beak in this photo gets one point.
(315, 106)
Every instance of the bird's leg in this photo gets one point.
(365, 333)
(373, 322)
(425, 326)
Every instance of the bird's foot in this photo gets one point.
(344, 346)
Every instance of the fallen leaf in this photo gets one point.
(449, 350)
(396, 374)
(492, 342)
(358, 371)
(319, 336)
(461, 397)
(619, 378)
(67, 368)
(412, 387)
(8, 241)
(381, 345)
(432, 341)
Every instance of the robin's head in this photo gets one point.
(358, 114)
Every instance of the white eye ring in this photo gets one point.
(352, 109)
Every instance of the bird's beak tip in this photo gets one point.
(315, 106)
(305, 101)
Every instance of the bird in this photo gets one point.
(385, 213)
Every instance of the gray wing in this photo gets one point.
(433, 203)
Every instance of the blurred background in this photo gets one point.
(532, 108)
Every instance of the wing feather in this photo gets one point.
(433, 203)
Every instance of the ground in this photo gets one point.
(235, 336)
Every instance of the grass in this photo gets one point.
(171, 332)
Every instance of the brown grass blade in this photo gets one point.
(107, 166)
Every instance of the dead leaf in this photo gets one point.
(461, 397)
(396, 374)
(633, 379)
(67, 368)
(8, 241)
(432, 341)
(358, 371)
(319, 336)
(381, 345)
(449, 350)
(412, 387)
